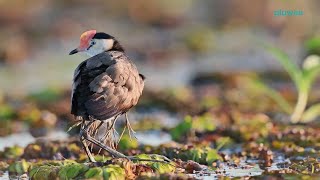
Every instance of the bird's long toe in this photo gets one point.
(160, 158)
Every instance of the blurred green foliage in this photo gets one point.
(6, 112)
(94, 173)
(201, 155)
(19, 167)
(72, 170)
(158, 167)
(13, 152)
(182, 128)
(127, 143)
(312, 45)
(201, 123)
(200, 40)
(46, 95)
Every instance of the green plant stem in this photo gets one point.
(300, 107)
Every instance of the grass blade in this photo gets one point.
(292, 69)
(311, 113)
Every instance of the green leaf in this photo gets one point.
(13, 152)
(292, 69)
(94, 173)
(72, 170)
(114, 172)
(127, 143)
(19, 167)
(196, 155)
(212, 155)
(23, 167)
(162, 167)
(311, 113)
(203, 123)
(44, 172)
(223, 141)
(6, 112)
(143, 156)
(182, 128)
(313, 45)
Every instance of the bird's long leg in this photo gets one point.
(94, 133)
(130, 130)
(118, 154)
(101, 145)
(86, 149)
(84, 143)
(86, 136)
(166, 160)
(108, 134)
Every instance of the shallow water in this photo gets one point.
(245, 169)
(24, 138)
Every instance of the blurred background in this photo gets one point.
(171, 42)
(185, 48)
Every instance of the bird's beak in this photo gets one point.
(74, 51)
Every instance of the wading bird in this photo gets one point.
(105, 86)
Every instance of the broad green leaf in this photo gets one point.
(72, 170)
(13, 152)
(196, 154)
(143, 156)
(162, 167)
(212, 155)
(182, 129)
(94, 173)
(44, 172)
(19, 167)
(114, 172)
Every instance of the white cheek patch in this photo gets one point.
(107, 44)
(100, 46)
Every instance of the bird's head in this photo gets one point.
(93, 43)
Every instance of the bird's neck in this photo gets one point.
(116, 47)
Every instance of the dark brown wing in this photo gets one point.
(105, 85)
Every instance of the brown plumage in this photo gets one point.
(105, 86)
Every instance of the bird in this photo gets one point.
(105, 86)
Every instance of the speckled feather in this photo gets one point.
(105, 86)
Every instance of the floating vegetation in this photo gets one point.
(230, 137)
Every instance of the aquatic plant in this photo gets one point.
(303, 79)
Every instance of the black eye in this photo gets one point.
(93, 43)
